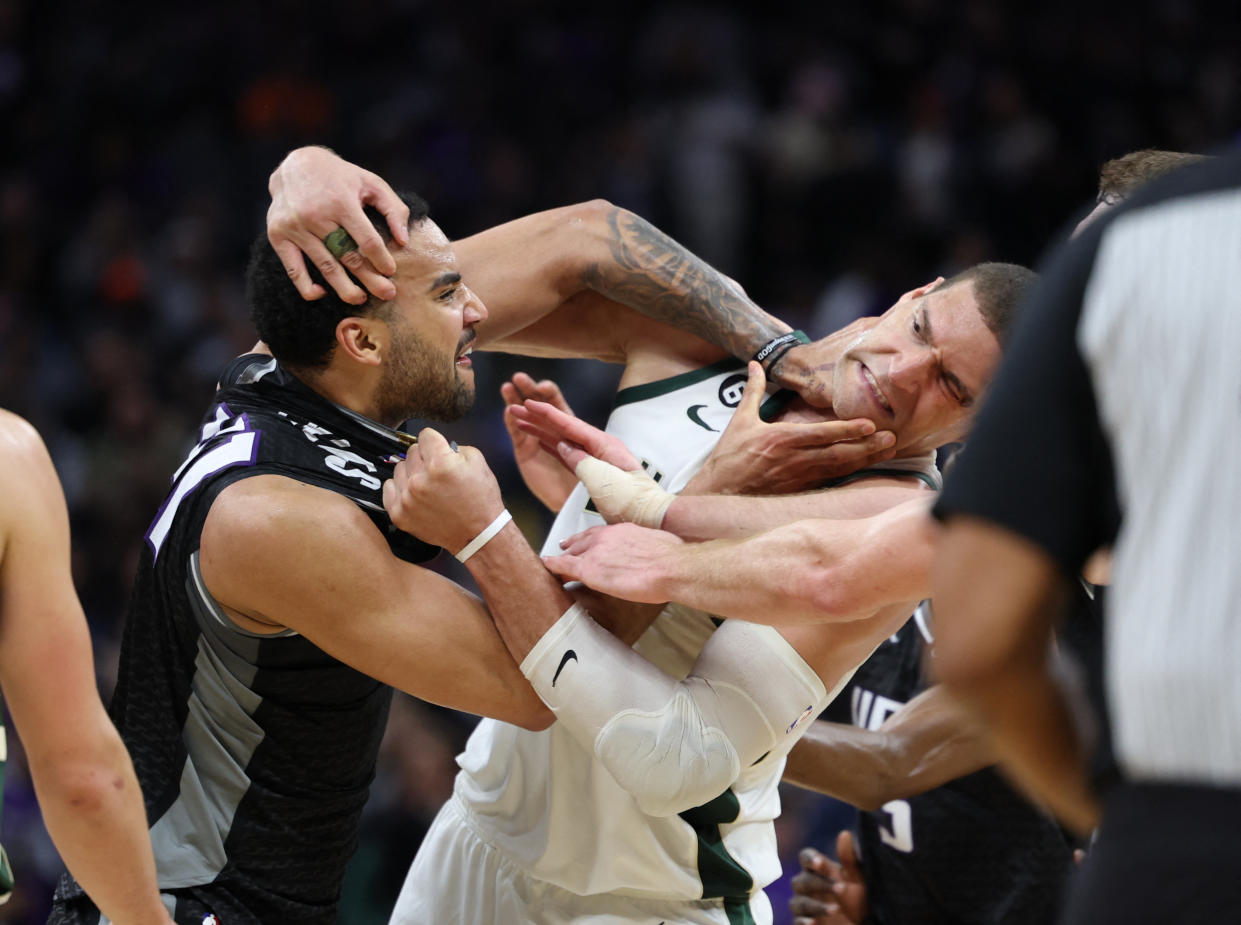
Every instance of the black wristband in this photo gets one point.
(777, 347)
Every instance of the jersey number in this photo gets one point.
(237, 449)
(901, 834)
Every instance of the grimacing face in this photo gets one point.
(920, 370)
(427, 369)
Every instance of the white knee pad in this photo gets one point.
(674, 744)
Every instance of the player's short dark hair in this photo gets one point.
(999, 289)
(1122, 175)
(299, 333)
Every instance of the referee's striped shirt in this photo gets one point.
(1117, 415)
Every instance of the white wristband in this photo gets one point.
(481, 540)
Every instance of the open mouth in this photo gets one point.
(873, 384)
(466, 348)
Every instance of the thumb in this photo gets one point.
(846, 851)
(755, 389)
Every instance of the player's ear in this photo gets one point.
(922, 290)
(362, 340)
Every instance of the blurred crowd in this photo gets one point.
(813, 152)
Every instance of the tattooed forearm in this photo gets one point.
(656, 276)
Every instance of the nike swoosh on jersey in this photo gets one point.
(564, 660)
(692, 413)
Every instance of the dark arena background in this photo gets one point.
(822, 154)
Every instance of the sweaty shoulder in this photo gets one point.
(20, 443)
(26, 472)
(267, 530)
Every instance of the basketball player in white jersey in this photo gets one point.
(576, 824)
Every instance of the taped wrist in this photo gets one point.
(673, 744)
(629, 496)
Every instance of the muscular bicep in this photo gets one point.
(340, 586)
(525, 268)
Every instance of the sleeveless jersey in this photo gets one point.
(546, 802)
(255, 753)
(970, 851)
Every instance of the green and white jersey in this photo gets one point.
(546, 803)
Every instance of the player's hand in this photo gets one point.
(621, 560)
(570, 438)
(619, 486)
(314, 192)
(543, 473)
(754, 457)
(443, 496)
(807, 368)
(827, 892)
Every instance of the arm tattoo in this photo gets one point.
(657, 277)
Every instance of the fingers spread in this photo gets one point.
(380, 195)
(295, 265)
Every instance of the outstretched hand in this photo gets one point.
(755, 457)
(314, 192)
(542, 471)
(619, 560)
(619, 486)
(570, 438)
(827, 892)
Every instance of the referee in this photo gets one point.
(1116, 417)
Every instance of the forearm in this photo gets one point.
(1032, 727)
(626, 620)
(705, 517)
(657, 277)
(525, 599)
(93, 809)
(766, 579)
(844, 762)
(810, 571)
(926, 743)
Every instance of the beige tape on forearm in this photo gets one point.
(629, 496)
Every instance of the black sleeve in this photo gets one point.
(1037, 462)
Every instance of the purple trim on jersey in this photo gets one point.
(180, 490)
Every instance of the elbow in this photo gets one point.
(590, 220)
(84, 788)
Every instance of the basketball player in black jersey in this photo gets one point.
(941, 836)
(275, 601)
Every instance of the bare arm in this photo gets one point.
(996, 599)
(707, 517)
(406, 626)
(810, 571)
(593, 246)
(927, 742)
(83, 777)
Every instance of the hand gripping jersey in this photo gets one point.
(970, 851)
(255, 753)
(546, 803)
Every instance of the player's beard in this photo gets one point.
(421, 382)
